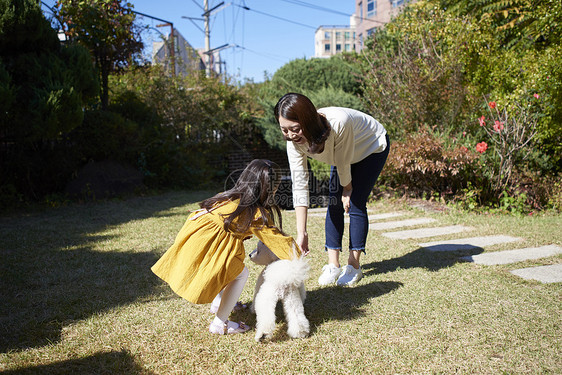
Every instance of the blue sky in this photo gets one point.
(269, 35)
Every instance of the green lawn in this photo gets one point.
(77, 296)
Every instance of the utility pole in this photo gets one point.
(171, 38)
(206, 15)
(207, 40)
(171, 46)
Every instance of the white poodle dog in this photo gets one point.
(280, 280)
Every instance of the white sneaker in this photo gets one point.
(329, 274)
(350, 276)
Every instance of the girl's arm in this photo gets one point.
(302, 235)
(283, 246)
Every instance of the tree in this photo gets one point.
(327, 82)
(521, 23)
(107, 28)
(524, 60)
(414, 70)
(315, 74)
(43, 88)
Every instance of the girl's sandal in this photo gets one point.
(238, 307)
(229, 328)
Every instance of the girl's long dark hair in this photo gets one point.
(298, 108)
(255, 188)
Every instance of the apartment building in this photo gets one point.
(373, 14)
(331, 40)
(369, 16)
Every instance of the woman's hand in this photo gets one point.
(302, 235)
(302, 241)
(346, 197)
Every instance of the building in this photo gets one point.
(331, 40)
(185, 58)
(373, 14)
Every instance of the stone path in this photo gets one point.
(468, 243)
(318, 212)
(426, 232)
(512, 256)
(402, 223)
(544, 274)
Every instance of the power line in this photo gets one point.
(279, 18)
(317, 7)
(268, 55)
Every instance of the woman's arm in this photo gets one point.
(346, 197)
(299, 179)
(302, 235)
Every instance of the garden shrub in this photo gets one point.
(44, 87)
(191, 123)
(423, 165)
(106, 135)
(315, 74)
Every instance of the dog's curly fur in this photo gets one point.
(279, 280)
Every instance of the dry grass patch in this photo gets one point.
(78, 297)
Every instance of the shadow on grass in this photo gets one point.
(325, 304)
(52, 273)
(101, 363)
(343, 303)
(421, 258)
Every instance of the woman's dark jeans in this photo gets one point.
(364, 175)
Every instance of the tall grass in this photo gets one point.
(77, 297)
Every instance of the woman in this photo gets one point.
(356, 146)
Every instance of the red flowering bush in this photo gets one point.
(511, 139)
(481, 147)
(424, 164)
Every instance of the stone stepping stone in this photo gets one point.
(319, 214)
(378, 216)
(387, 215)
(426, 232)
(401, 223)
(319, 209)
(512, 256)
(544, 274)
(371, 217)
(468, 243)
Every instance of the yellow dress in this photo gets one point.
(205, 258)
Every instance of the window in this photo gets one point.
(327, 35)
(371, 31)
(338, 35)
(347, 35)
(360, 11)
(371, 8)
(347, 47)
(327, 47)
(397, 3)
(338, 48)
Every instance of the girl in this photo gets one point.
(356, 146)
(207, 256)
